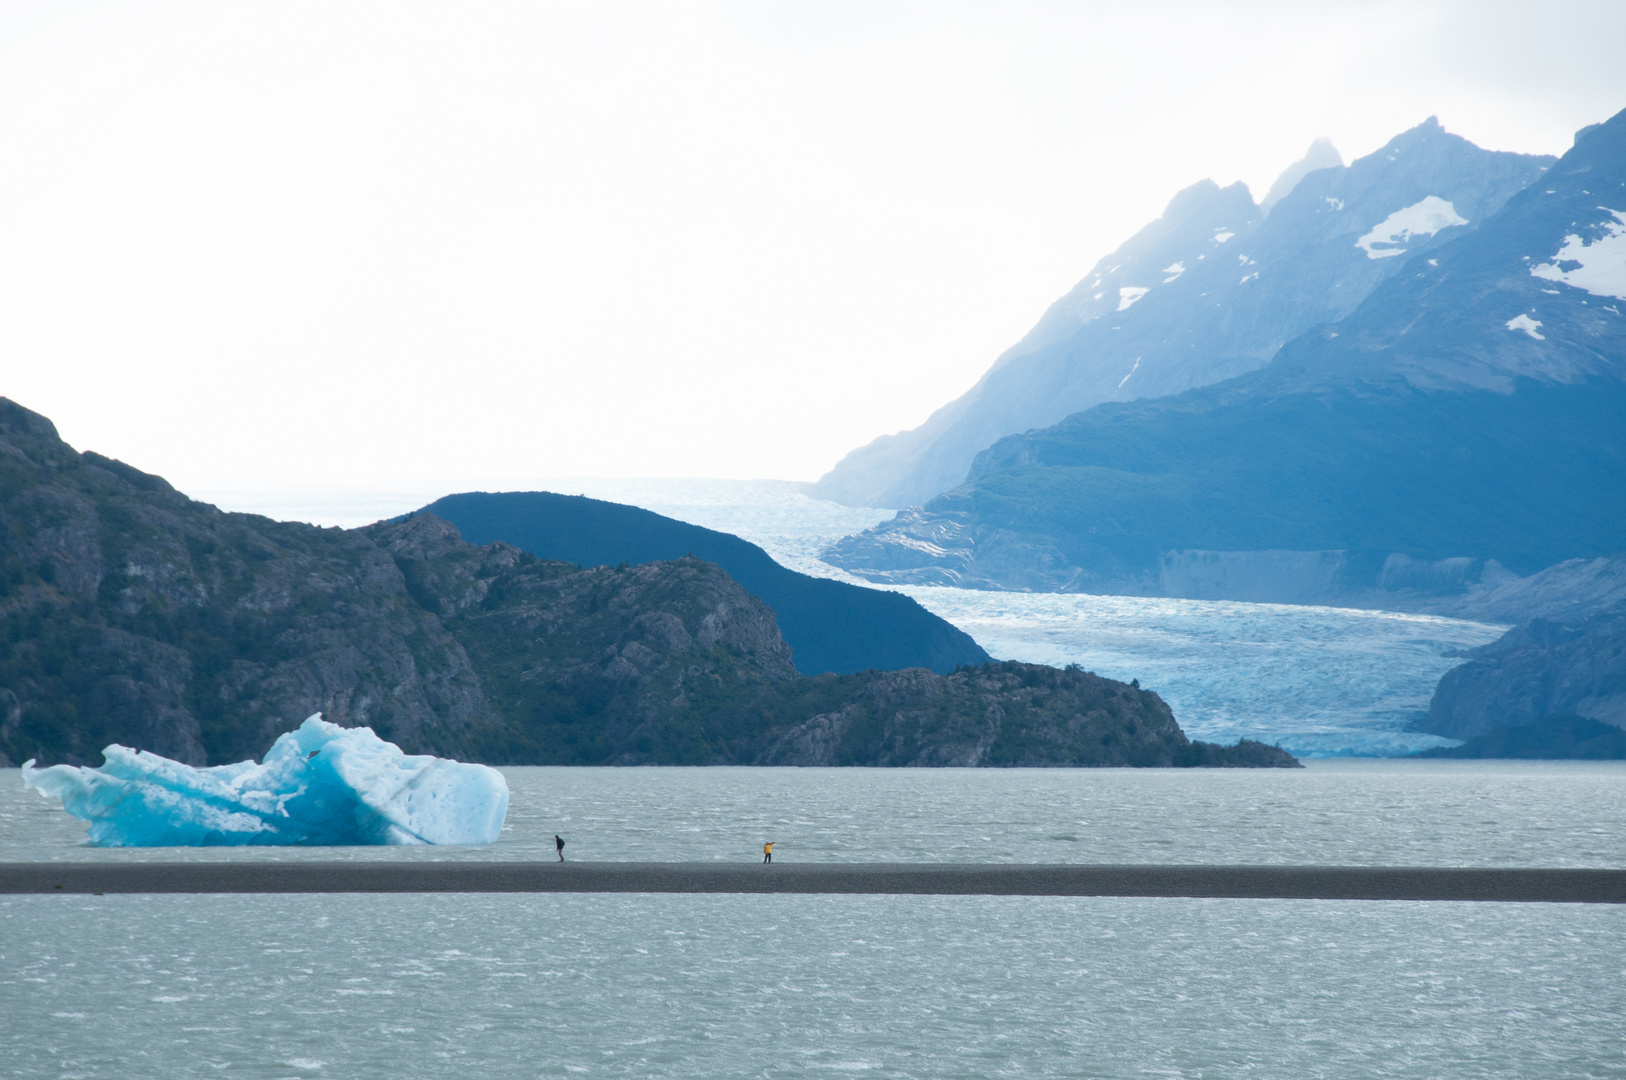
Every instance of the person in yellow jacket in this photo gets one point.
(767, 852)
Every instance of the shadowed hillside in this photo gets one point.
(830, 625)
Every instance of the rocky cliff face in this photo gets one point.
(995, 715)
(666, 661)
(1567, 656)
(1005, 715)
(1535, 670)
(129, 613)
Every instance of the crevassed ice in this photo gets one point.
(1129, 294)
(318, 784)
(1598, 265)
(1423, 218)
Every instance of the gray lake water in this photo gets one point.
(758, 986)
(1371, 811)
(886, 986)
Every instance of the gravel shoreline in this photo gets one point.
(1555, 885)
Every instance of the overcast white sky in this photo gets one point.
(287, 246)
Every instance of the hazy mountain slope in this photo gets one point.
(1467, 419)
(830, 625)
(1570, 590)
(1209, 291)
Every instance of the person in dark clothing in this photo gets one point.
(559, 846)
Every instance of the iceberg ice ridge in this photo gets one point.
(318, 784)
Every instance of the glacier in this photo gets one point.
(318, 784)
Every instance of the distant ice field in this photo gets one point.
(1319, 681)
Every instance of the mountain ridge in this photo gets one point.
(1210, 290)
(1464, 425)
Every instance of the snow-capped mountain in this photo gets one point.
(1210, 290)
(1464, 424)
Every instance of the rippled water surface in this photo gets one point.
(1339, 811)
(889, 986)
(760, 986)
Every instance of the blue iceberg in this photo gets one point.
(319, 784)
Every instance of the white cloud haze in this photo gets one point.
(308, 245)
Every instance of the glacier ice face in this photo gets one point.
(319, 784)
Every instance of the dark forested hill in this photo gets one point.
(130, 613)
(830, 625)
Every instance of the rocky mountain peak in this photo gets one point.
(1211, 290)
(1321, 155)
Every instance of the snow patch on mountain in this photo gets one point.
(1597, 265)
(1174, 270)
(1129, 294)
(1528, 325)
(1425, 218)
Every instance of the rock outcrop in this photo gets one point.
(1564, 736)
(1536, 669)
(131, 613)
